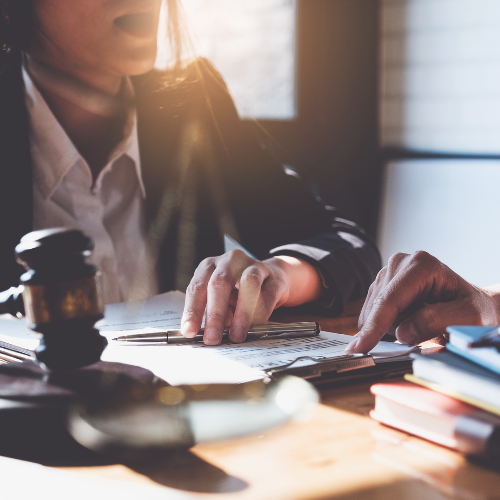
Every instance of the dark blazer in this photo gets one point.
(204, 177)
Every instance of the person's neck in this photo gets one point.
(100, 81)
(91, 112)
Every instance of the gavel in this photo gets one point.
(60, 296)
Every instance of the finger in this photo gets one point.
(196, 298)
(220, 286)
(233, 298)
(219, 291)
(270, 295)
(431, 321)
(229, 317)
(367, 305)
(248, 295)
(405, 288)
(384, 276)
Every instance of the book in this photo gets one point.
(461, 336)
(458, 374)
(453, 393)
(436, 417)
(17, 341)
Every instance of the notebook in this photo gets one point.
(461, 336)
(458, 374)
(453, 393)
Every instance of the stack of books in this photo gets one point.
(453, 397)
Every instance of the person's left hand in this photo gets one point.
(416, 297)
(239, 291)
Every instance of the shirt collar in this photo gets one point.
(53, 152)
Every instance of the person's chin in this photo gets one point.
(136, 62)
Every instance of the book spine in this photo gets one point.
(453, 394)
(448, 442)
(478, 435)
(475, 435)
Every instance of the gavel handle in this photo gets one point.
(11, 301)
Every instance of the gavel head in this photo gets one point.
(62, 297)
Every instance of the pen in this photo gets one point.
(258, 332)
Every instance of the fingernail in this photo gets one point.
(212, 336)
(237, 334)
(350, 348)
(406, 333)
(188, 329)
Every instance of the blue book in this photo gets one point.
(457, 374)
(461, 336)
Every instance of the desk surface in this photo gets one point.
(340, 453)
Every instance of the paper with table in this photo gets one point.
(197, 363)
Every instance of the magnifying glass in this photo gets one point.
(138, 419)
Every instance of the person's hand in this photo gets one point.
(239, 291)
(418, 296)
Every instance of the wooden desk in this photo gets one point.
(340, 453)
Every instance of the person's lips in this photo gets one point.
(141, 24)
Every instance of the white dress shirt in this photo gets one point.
(111, 211)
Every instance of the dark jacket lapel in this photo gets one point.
(16, 192)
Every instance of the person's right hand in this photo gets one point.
(418, 296)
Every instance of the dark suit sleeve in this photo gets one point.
(276, 215)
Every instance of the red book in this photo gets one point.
(435, 417)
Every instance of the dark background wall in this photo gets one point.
(333, 143)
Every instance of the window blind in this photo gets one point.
(440, 75)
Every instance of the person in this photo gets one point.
(157, 168)
(416, 297)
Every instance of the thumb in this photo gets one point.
(428, 322)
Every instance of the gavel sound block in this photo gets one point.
(60, 296)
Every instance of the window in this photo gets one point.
(440, 86)
(252, 44)
(440, 102)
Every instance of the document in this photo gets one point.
(159, 313)
(227, 363)
(198, 363)
(237, 363)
